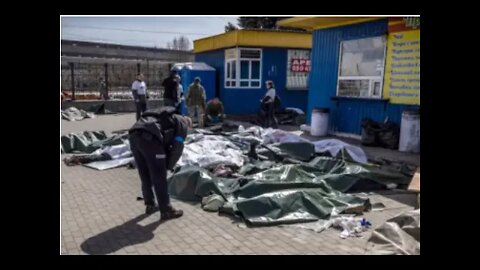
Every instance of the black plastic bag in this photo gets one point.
(389, 135)
(370, 130)
(386, 135)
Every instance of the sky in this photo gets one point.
(141, 31)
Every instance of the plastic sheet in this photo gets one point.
(209, 151)
(192, 183)
(89, 141)
(400, 235)
(79, 142)
(74, 114)
(284, 194)
(350, 225)
(109, 164)
(334, 147)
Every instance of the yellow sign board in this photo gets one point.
(402, 71)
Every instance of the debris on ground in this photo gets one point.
(74, 114)
(212, 203)
(292, 116)
(352, 227)
(288, 179)
(400, 235)
(265, 176)
(349, 225)
(378, 206)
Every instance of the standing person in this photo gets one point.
(102, 88)
(180, 98)
(139, 91)
(170, 86)
(156, 141)
(268, 104)
(196, 99)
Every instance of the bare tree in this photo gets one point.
(181, 43)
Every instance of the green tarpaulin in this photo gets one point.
(270, 193)
(89, 141)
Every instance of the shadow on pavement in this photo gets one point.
(127, 234)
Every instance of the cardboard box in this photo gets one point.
(415, 183)
(415, 186)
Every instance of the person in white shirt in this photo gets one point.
(268, 105)
(139, 91)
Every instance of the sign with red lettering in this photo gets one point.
(300, 65)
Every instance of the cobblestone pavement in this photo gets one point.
(100, 215)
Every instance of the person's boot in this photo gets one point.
(171, 213)
(150, 209)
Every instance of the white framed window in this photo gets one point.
(361, 68)
(298, 69)
(243, 68)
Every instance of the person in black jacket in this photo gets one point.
(156, 141)
(170, 86)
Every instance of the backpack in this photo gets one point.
(160, 123)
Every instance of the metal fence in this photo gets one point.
(81, 78)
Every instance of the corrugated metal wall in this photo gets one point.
(216, 60)
(246, 101)
(346, 114)
(275, 68)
